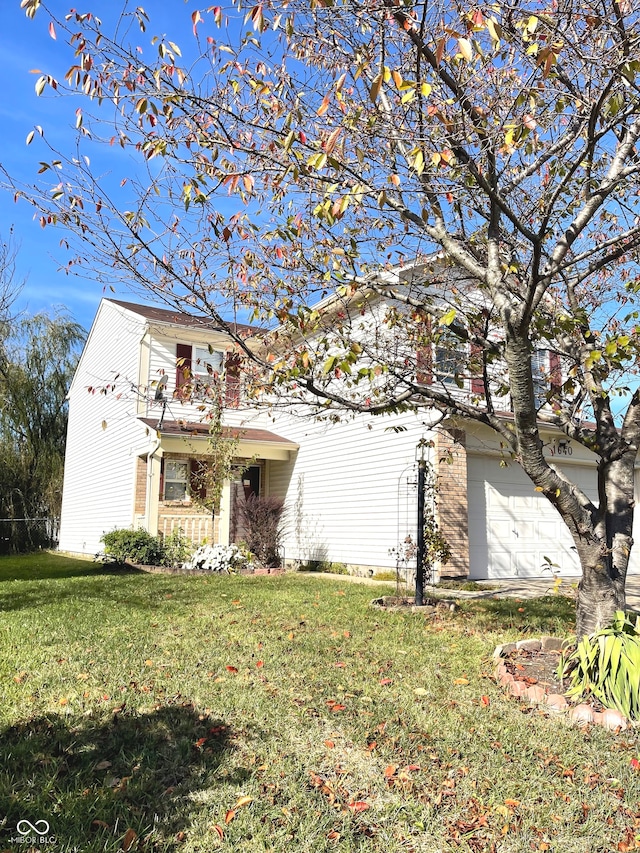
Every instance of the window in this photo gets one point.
(176, 479)
(450, 361)
(206, 365)
(198, 367)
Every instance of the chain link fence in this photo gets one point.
(18, 535)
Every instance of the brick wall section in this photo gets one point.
(453, 512)
(141, 486)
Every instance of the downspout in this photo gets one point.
(151, 459)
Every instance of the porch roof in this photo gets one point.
(252, 442)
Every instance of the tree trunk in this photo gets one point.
(599, 596)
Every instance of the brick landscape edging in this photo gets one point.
(173, 570)
(554, 703)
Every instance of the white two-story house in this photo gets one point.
(138, 436)
(137, 441)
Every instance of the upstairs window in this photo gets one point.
(198, 368)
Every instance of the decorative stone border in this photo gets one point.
(169, 570)
(554, 703)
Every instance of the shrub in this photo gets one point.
(218, 558)
(262, 520)
(137, 546)
(177, 548)
(606, 665)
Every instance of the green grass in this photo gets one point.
(137, 710)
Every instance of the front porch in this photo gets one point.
(171, 492)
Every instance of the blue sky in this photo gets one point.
(25, 45)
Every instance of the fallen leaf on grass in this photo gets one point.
(231, 668)
(129, 837)
(219, 830)
(329, 744)
(420, 691)
(103, 765)
(229, 816)
(512, 803)
(20, 677)
(243, 801)
(385, 681)
(635, 764)
(460, 680)
(359, 806)
(260, 664)
(485, 701)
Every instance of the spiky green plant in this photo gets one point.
(606, 665)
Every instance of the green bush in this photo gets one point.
(136, 546)
(177, 548)
(606, 665)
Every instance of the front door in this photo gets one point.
(241, 490)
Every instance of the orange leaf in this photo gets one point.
(386, 681)
(231, 668)
(217, 828)
(291, 635)
(336, 707)
(260, 663)
(512, 803)
(485, 701)
(359, 806)
(460, 680)
(229, 816)
(329, 744)
(324, 106)
(390, 771)
(129, 837)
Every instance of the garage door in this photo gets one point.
(513, 530)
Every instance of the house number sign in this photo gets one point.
(560, 447)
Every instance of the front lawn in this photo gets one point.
(155, 713)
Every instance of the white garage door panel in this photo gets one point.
(513, 530)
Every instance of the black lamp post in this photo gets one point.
(421, 454)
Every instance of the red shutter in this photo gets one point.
(424, 355)
(232, 380)
(477, 379)
(183, 369)
(555, 373)
(196, 479)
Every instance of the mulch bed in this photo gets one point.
(536, 667)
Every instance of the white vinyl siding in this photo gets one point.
(102, 433)
(343, 488)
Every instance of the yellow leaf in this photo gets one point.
(397, 78)
(465, 48)
(425, 90)
(420, 691)
(375, 88)
(243, 801)
(460, 680)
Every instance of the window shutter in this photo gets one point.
(196, 482)
(477, 379)
(424, 355)
(232, 380)
(161, 494)
(183, 368)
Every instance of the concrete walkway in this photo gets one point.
(511, 588)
